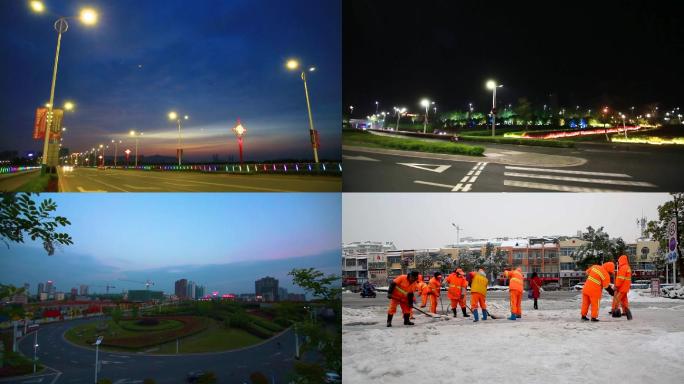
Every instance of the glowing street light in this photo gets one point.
(399, 111)
(174, 116)
(97, 351)
(426, 103)
(116, 149)
(68, 106)
(294, 65)
(136, 135)
(88, 17)
(492, 85)
(240, 131)
(377, 103)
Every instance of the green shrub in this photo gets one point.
(519, 141)
(407, 144)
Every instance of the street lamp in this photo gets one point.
(88, 16)
(97, 351)
(116, 149)
(239, 132)
(624, 126)
(491, 84)
(136, 135)
(127, 152)
(376, 107)
(605, 120)
(351, 111)
(294, 65)
(102, 156)
(174, 116)
(425, 103)
(35, 350)
(399, 112)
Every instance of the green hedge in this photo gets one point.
(360, 137)
(519, 141)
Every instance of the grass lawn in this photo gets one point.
(164, 325)
(365, 139)
(214, 339)
(86, 334)
(40, 183)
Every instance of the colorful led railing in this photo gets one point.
(303, 168)
(15, 169)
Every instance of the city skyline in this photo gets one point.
(141, 61)
(556, 215)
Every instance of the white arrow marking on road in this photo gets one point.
(433, 184)
(438, 168)
(362, 158)
(81, 189)
(568, 171)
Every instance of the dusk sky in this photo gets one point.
(215, 61)
(225, 241)
(586, 53)
(424, 220)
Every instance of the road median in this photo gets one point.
(372, 140)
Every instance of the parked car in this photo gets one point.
(332, 377)
(551, 287)
(578, 287)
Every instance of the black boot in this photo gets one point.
(535, 304)
(617, 313)
(454, 311)
(465, 314)
(584, 318)
(389, 320)
(628, 313)
(594, 319)
(407, 321)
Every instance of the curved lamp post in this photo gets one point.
(294, 65)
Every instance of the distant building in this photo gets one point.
(74, 293)
(200, 292)
(296, 297)
(247, 297)
(83, 290)
(144, 295)
(41, 289)
(19, 299)
(59, 296)
(282, 294)
(43, 296)
(181, 289)
(267, 288)
(50, 289)
(26, 288)
(191, 290)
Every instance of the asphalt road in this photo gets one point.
(68, 363)
(119, 180)
(515, 168)
(12, 181)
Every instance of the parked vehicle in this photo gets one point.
(578, 287)
(332, 377)
(551, 287)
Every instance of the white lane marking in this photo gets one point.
(580, 179)
(438, 168)
(361, 158)
(472, 179)
(107, 184)
(134, 187)
(553, 187)
(37, 380)
(464, 179)
(607, 174)
(81, 189)
(433, 184)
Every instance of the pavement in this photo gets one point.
(67, 363)
(515, 168)
(11, 181)
(126, 180)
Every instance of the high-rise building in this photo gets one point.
(282, 294)
(74, 293)
(26, 288)
(41, 289)
(267, 288)
(181, 288)
(83, 290)
(199, 292)
(191, 289)
(50, 289)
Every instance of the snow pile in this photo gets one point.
(644, 296)
(545, 346)
(674, 292)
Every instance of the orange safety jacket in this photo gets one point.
(456, 284)
(434, 287)
(623, 280)
(597, 279)
(515, 282)
(403, 288)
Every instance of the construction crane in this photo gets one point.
(146, 283)
(106, 287)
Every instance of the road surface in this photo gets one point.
(515, 168)
(120, 180)
(68, 363)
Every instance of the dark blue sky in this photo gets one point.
(215, 61)
(223, 240)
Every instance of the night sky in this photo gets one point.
(621, 54)
(215, 61)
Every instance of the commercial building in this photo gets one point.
(191, 290)
(181, 289)
(200, 292)
(267, 288)
(41, 289)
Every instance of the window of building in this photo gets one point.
(350, 262)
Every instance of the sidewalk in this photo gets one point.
(491, 155)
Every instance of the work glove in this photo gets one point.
(410, 299)
(390, 290)
(610, 290)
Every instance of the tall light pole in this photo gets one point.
(399, 111)
(351, 111)
(377, 103)
(97, 351)
(88, 17)
(116, 149)
(294, 65)
(35, 351)
(136, 135)
(425, 103)
(491, 84)
(102, 150)
(174, 116)
(624, 126)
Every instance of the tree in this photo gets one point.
(116, 314)
(657, 229)
(495, 261)
(523, 109)
(21, 217)
(316, 283)
(426, 263)
(598, 249)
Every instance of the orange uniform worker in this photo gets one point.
(515, 288)
(421, 287)
(623, 282)
(400, 293)
(598, 277)
(434, 288)
(478, 293)
(456, 292)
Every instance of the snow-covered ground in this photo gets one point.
(550, 345)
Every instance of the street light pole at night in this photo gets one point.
(293, 65)
(174, 116)
(491, 84)
(136, 135)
